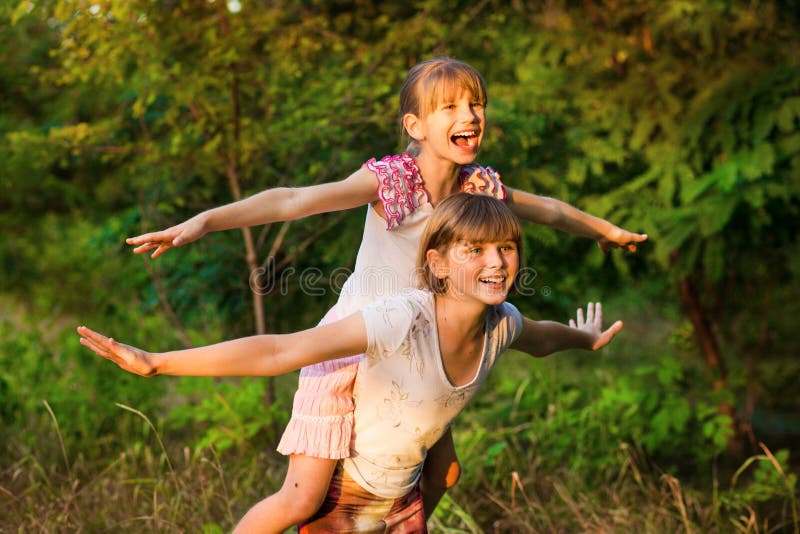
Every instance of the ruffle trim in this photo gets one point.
(320, 437)
(479, 180)
(402, 191)
(400, 187)
(322, 413)
(322, 404)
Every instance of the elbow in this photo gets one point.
(295, 202)
(275, 356)
(278, 204)
(286, 204)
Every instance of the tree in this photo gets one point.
(681, 120)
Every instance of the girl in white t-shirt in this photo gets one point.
(427, 351)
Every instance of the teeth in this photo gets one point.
(464, 134)
(493, 280)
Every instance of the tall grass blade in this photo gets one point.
(153, 428)
(60, 439)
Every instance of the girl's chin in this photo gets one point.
(466, 152)
(496, 296)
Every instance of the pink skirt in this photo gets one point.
(322, 413)
(350, 508)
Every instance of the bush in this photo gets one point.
(549, 421)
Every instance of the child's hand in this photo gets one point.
(162, 241)
(131, 359)
(593, 325)
(619, 238)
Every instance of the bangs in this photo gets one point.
(494, 228)
(486, 223)
(446, 83)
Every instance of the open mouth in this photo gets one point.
(493, 280)
(467, 138)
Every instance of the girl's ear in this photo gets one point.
(437, 264)
(413, 125)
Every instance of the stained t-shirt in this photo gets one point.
(404, 402)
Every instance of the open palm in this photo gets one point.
(593, 324)
(129, 358)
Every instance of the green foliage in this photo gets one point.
(82, 398)
(768, 479)
(583, 426)
(657, 409)
(768, 484)
(605, 443)
(669, 127)
(226, 414)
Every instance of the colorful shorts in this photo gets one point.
(350, 508)
(322, 413)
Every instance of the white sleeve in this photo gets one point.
(509, 326)
(387, 322)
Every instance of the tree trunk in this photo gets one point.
(709, 349)
(251, 254)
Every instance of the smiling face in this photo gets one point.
(442, 105)
(482, 272)
(471, 248)
(452, 130)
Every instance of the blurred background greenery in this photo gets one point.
(675, 118)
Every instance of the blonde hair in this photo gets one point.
(464, 217)
(432, 81)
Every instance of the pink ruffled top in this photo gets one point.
(402, 191)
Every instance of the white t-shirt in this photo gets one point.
(404, 402)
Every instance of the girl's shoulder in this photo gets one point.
(506, 309)
(504, 323)
(400, 188)
(413, 300)
(390, 321)
(408, 298)
(480, 180)
(418, 298)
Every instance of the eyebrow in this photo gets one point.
(467, 242)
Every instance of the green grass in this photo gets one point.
(147, 488)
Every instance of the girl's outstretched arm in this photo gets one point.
(266, 355)
(272, 205)
(540, 338)
(562, 216)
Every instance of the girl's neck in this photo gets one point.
(439, 175)
(459, 318)
(461, 331)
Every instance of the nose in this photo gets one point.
(494, 257)
(467, 114)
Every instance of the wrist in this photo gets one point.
(610, 231)
(157, 362)
(205, 220)
(588, 341)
